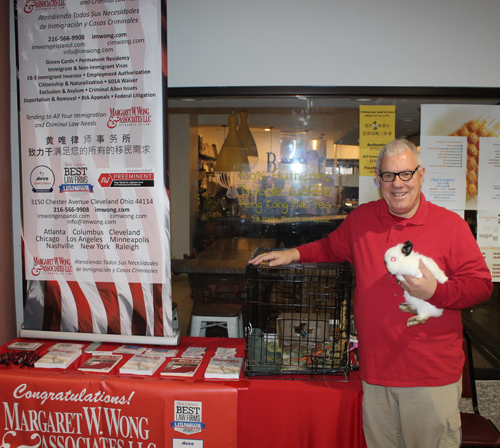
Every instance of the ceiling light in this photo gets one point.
(231, 161)
(247, 140)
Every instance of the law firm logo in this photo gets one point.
(31, 5)
(130, 116)
(54, 265)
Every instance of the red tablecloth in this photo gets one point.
(138, 412)
(301, 413)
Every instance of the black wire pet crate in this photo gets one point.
(298, 319)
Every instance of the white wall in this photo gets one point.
(453, 43)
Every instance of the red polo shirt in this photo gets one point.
(390, 353)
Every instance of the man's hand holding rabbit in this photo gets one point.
(421, 288)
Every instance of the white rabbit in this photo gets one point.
(403, 260)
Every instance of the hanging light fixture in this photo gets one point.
(232, 160)
(247, 140)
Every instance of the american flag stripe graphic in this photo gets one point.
(84, 313)
(139, 317)
(98, 308)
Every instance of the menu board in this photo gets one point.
(91, 139)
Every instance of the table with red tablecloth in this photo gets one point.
(74, 409)
(301, 413)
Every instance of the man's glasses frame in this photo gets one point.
(405, 176)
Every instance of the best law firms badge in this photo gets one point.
(187, 418)
(42, 179)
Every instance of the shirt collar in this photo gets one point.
(417, 219)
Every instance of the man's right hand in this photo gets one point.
(277, 258)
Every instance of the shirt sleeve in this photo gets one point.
(469, 279)
(336, 247)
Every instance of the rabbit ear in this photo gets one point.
(407, 248)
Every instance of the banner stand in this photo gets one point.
(91, 84)
(96, 337)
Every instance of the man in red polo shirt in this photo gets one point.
(411, 375)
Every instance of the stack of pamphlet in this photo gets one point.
(194, 352)
(168, 353)
(129, 349)
(142, 364)
(186, 367)
(28, 346)
(60, 358)
(100, 363)
(67, 346)
(224, 364)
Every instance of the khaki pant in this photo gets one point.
(412, 417)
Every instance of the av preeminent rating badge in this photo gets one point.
(127, 180)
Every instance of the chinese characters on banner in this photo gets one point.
(460, 148)
(92, 155)
(376, 129)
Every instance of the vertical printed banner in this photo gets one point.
(95, 209)
(377, 127)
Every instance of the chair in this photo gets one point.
(477, 431)
(206, 315)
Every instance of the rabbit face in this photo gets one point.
(401, 259)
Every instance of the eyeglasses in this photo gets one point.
(405, 176)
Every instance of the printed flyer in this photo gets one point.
(92, 155)
(377, 127)
(488, 232)
(457, 148)
(444, 159)
(460, 148)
